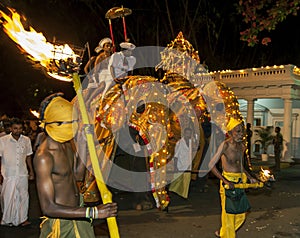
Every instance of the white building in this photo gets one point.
(269, 96)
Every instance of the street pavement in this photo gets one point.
(275, 213)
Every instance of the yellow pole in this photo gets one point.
(105, 193)
(246, 185)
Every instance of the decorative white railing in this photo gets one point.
(282, 72)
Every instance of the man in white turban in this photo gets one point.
(122, 62)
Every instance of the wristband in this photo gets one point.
(87, 212)
(91, 213)
(96, 213)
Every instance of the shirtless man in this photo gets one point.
(57, 170)
(231, 153)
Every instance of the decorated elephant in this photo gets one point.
(159, 110)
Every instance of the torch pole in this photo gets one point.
(105, 193)
(124, 28)
(112, 35)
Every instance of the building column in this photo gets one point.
(287, 128)
(250, 119)
(250, 111)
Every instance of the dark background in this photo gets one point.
(212, 26)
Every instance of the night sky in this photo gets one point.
(24, 84)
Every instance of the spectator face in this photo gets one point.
(16, 130)
(7, 128)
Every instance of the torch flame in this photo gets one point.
(266, 172)
(35, 113)
(266, 175)
(35, 44)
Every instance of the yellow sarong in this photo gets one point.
(181, 184)
(230, 222)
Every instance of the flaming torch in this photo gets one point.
(35, 113)
(266, 177)
(61, 62)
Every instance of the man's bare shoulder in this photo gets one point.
(101, 55)
(225, 144)
(43, 154)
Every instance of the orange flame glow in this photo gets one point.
(36, 46)
(35, 113)
(265, 172)
(265, 175)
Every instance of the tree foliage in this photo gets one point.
(265, 137)
(264, 15)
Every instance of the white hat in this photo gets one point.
(101, 44)
(127, 46)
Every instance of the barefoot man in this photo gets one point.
(57, 170)
(231, 153)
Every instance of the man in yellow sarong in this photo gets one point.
(231, 153)
(57, 171)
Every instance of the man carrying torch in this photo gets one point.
(57, 170)
(231, 153)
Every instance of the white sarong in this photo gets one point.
(14, 200)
